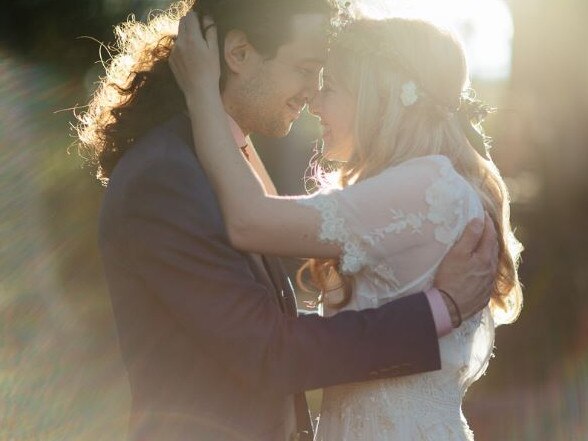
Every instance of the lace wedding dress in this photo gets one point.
(394, 230)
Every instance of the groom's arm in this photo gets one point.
(467, 272)
(175, 244)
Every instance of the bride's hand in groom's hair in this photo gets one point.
(194, 58)
(468, 272)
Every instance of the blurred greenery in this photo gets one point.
(60, 373)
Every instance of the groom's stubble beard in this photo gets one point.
(262, 109)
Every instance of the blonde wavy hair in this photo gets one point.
(373, 59)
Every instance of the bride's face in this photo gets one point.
(335, 107)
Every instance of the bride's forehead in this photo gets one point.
(329, 71)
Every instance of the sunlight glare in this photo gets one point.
(484, 26)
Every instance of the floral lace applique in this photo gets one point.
(401, 221)
(334, 229)
(445, 198)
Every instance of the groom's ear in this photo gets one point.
(238, 52)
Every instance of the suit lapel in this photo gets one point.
(269, 271)
(282, 284)
(285, 293)
(260, 272)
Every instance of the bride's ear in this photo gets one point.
(238, 52)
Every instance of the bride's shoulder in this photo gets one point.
(428, 161)
(435, 173)
(415, 175)
(432, 165)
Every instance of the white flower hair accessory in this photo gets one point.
(409, 94)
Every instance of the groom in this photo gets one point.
(208, 334)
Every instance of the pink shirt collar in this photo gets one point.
(238, 135)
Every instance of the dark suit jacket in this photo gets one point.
(209, 353)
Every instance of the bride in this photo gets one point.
(413, 172)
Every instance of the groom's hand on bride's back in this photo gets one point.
(467, 273)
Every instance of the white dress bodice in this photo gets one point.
(394, 229)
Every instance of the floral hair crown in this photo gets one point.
(345, 15)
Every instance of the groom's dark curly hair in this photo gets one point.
(138, 90)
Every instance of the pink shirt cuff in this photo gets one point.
(440, 312)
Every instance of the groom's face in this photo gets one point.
(274, 91)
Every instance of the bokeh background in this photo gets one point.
(61, 377)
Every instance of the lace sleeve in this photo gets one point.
(334, 229)
(401, 222)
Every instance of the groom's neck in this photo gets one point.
(232, 110)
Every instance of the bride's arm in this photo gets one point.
(255, 221)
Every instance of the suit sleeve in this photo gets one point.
(177, 245)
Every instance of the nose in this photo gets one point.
(314, 104)
(311, 87)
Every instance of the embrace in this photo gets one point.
(408, 241)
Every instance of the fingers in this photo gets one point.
(190, 26)
(187, 22)
(487, 248)
(194, 58)
(207, 24)
(210, 34)
(191, 22)
(468, 242)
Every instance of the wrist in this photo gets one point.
(199, 88)
(452, 307)
(440, 312)
(202, 95)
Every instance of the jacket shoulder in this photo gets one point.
(160, 172)
(168, 144)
